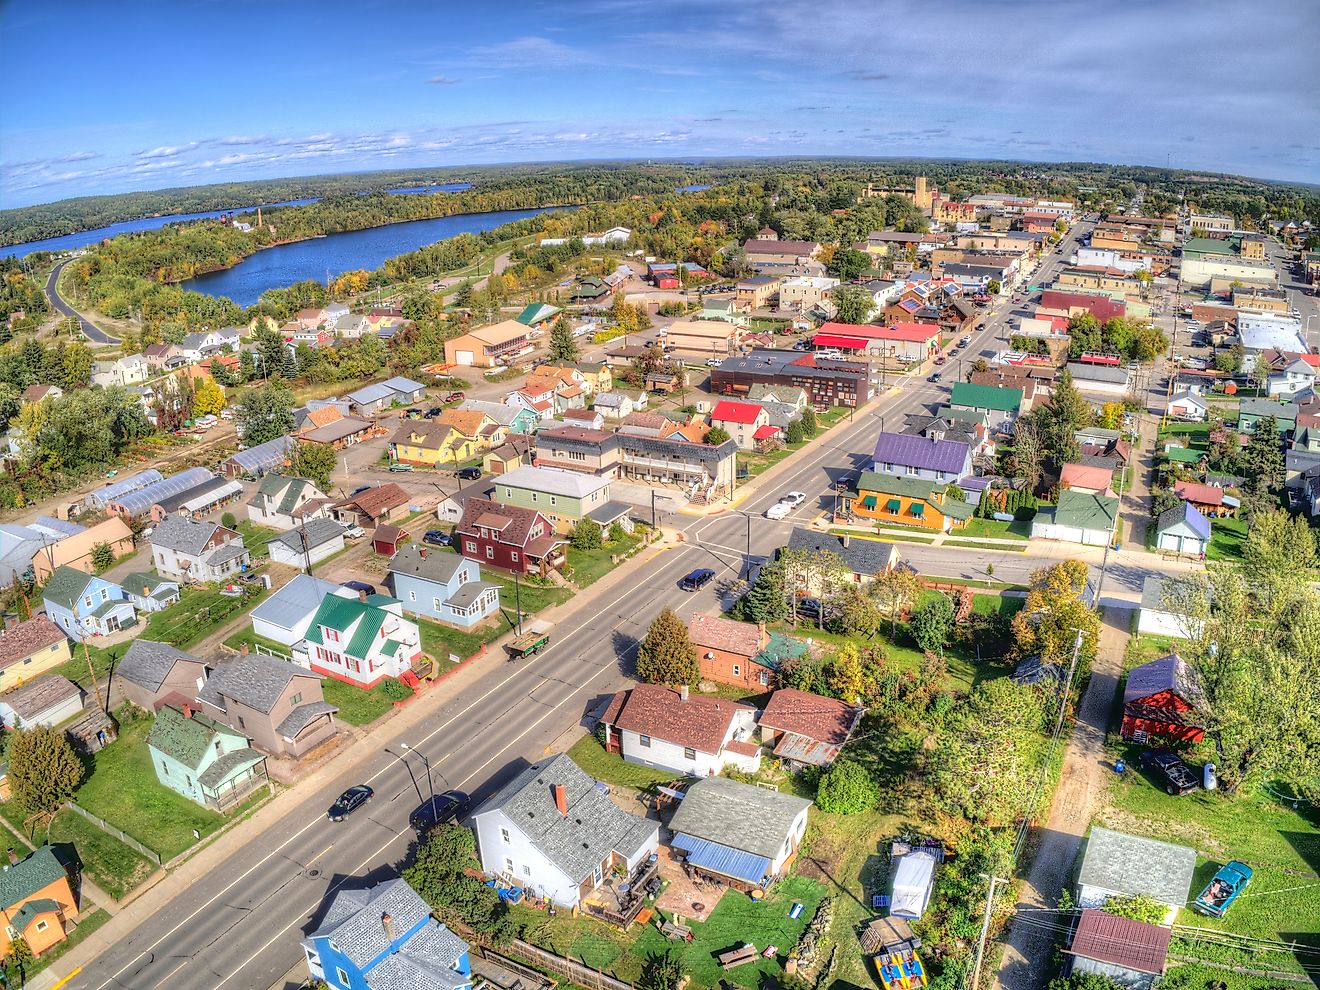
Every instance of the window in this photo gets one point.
(296, 699)
(105, 595)
(435, 604)
(504, 834)
(508, 865)
(471, 547)
(343, 977)
(737, 670)
(689, 753)
(331, 634)
(412, 596)
(553, 500)
(514, 555)
(527, 870)
(765, 677)
(241, 724)
(912, 471)
(490, 553)
(644, 741)
(42, 926)
(164, 768)
(87, 600)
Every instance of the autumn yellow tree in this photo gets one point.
(1111, 415)
(351, 283)
(209, 397)
(1055, 610)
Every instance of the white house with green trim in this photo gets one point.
(361, 639)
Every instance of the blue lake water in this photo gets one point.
(70, 242)
(338, 253)
(447, 187)
(697, 187)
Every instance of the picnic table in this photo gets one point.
(737, 957)
(673, 931)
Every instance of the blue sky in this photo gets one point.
(108, 97)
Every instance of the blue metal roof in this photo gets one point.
(707, 855)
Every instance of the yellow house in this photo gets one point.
(595, 378)
(892, 501)
(457, 435)
(30, 649)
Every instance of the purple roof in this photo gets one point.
(1184, 513)
(944, 456)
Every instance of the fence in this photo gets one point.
(583, 976)
(119, 834)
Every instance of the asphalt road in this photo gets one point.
(90, 331)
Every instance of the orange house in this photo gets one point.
(886, 499)
(38, 897)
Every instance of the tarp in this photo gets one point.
(724, 860)
(913, 876)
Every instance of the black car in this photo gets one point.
(809, 608)
(433, 412)
(468, 473)
(349, 802)
(438, 538)
(358, 490)
(697, 580)
(446, 807)
(934, 378)
(363, 586)
(1169, 770)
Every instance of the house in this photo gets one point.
(191, 550)
(1089, 479)
(514, 420)
(382, 503)
(1207, 499)
(743, 421)
(905, 501)
(1100, 378)
(1119, 865)
(29, 649)
(151, 672)
(202, 759)
(507, 456)
(286, 614)
(86, 605)
(46, 701)
(1000, 405)
(490, 346)
(962, 425)
(35, 393)
(196, 346)
(1188, 406)
(129, 370)
(39, 897)
(807, 729)
(1182, 529)
(509, 537)
(1163, 701)
(329, 426)
(672, 730)
(724, 308)
(756, 292)
(1132, 954)
(766, 255)
(737, 833)
(901, 455)
(1157, 617)
(1077, 518)
(1252, 411)
(442, 586)
(277, 704)
(384, 938)
(563, 497)
(149, 592)
(360, 640)
(704, 338)
(741, 654)
(867, 559)
(804, 291)
(448, 441)
(308, 543)
(590, 419)
(615, 405)
(282, 502)
(553, 831)
(1297, 376)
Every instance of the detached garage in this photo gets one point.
(305, 545)
(1078, 518)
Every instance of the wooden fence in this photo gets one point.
(570, 969)
(118, 833)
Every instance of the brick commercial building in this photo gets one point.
(827, 382)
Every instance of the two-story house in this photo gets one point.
(196, 346)
(282, 502)
(742, 654)
(447, 441)
(381, 504)
(29, 649)
(551, 830)
(384, 938)
(691, 735)
(998, 405)
(578, 448)
(278, 705)
(361, 639)
(509, 537)
(192, 550)
(39, 897)
(747, 423)
(563, 497)
(514, 420)
(149, 592)
(917, 457)
(202, 759)
(86, 605)
(151, 673)
(442, 586)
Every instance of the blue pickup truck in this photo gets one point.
(1223, 890)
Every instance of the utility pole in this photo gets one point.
(91, 672)
(985, 930)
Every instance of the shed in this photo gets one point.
(92, 731)
(807, 728)
(1182, 529)
(1117, 864)
(46, 701)
(387, 539)
(1131, 953)
(914, 878)
(1164, 699)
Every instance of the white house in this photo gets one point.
(615, 405)
(1119, 865)
(285, 616)
(672, 730)
(1100, 378)
(1189, 406)
(284, 502)
(197, 346)
(307, 543)
(128, 370)
(551, 830)
(1156, 618)
(191, 550)
(359, 638)
(1297, 376)
(1078, 518)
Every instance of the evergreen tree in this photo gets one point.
(667, 655)
(795, 432)
(44, 771)
(288, 364)
(717, 435)
(563, 345)
(1262, 459)
(809, 424)
(765, 600)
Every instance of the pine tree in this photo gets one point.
(44, 771)
(563, 346)
(765, 600)
(667, 655)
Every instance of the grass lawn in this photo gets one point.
(197, 615)
(440, 641)
(356, 706)
(1226, 536)
(255, 535)
(112, 866)
(122, 788)
(590, 755)
(589, 566)
(1193, 434)
(247, 636)
(1018, 529)
(535, 597)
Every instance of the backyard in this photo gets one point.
(1226, 537)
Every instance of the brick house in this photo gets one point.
(741, 654)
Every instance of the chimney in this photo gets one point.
(387, 923)
(362, 595)
(243, 649)
(187, 710)
(561, 798)
(13, 856)
(422, 551)
(683, 692)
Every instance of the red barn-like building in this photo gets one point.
(1163, 700)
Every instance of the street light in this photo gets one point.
(430, 787)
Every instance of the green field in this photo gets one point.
(111, 865)
(1018, 529)
(1226, 536)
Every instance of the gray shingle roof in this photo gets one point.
(238, 759)
(183, 535)
(468, 593)
(738, 815)
(426, 563)
(301, 715)
(317, 532)
(147, 663)
(577, 842)
(1131, 864)
(66, 585)
(353, 925)
(254, 680)
(864, 556)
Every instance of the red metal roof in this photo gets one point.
(735, 412)
(1121, 942)
(919, 332)
(1191, 491)
(765, 432)
(838, 340)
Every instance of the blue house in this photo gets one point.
(86, 605)
(384, 938)
(149, 592)
(441, 585)
(202, 759)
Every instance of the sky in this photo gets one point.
(112, 97)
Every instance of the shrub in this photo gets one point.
(1138, 908)
(395, 690)
(846, 789)
(228, 520)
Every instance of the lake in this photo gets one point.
(695, 187)
(71, 242)
(446, 187)
(286, 264)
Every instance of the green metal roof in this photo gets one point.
(20, 881)
(887, 484)
(535, 313)
(1082, 511)
(343, 614)
(1207, 245)
(185, 739)
(779, 649)
(986, 397)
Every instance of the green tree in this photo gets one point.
(1262, 459)
(846, 789)
(265, 413)
(661, 973)
(44, 771)
(441, 876)
(563, 345)
(1055, 609)
(848, 263)
(895, 592)
(586, 535)
(1140, 907)
(314, 461)
(667, 655)
(795, 433)
(1279, 557)
(766, 601)
(103, 557)
(993, 287)
(932, 623)
(860, 612)
(809, 423)
(954, 493)
(717, 435)
(852, 304)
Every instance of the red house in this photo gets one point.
(1163, 700)
(509, 537)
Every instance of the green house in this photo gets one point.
(998, 404)
(563, 497)
(203, 760)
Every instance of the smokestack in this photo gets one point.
(561, 798)
(387, 923)
(243, 649)
(683, 693)
(13, 856)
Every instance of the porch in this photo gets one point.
(621, 897)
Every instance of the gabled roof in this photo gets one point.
(353, 923)
(316, 532)
(864, 556)
(375, 502)
(184, 535)
(293, 602)
(1122, 942)
(1086, 476)
(147, 663)
(185, 739)
(1191, 491)
(661, 713)
(35, 697)
(717, 633)
(254, 680)
(986, 397)
(26, 638)
(516, 522)
(1080, 510)
(946, 456)
(1168, 673)
(570, 484)
(66, 585)
(425, 563)
(38, 869)
(738, 815)
(1184, 513)
(821, 719)
(735, 412)
(343, 614)
(1132, 864)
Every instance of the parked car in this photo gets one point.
(811, 609)
(438, 809)
(714, 362)
(359, 586)
(697, 580)
(965, 341)
(941, 359)
(349, 802)
(433, 412)
(455, 397)
(1220, 893)
(793, 499)
(358, 490)
(468, 473)
(1169, 769)
(398, 468)
(354, 533)
(438, 538)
